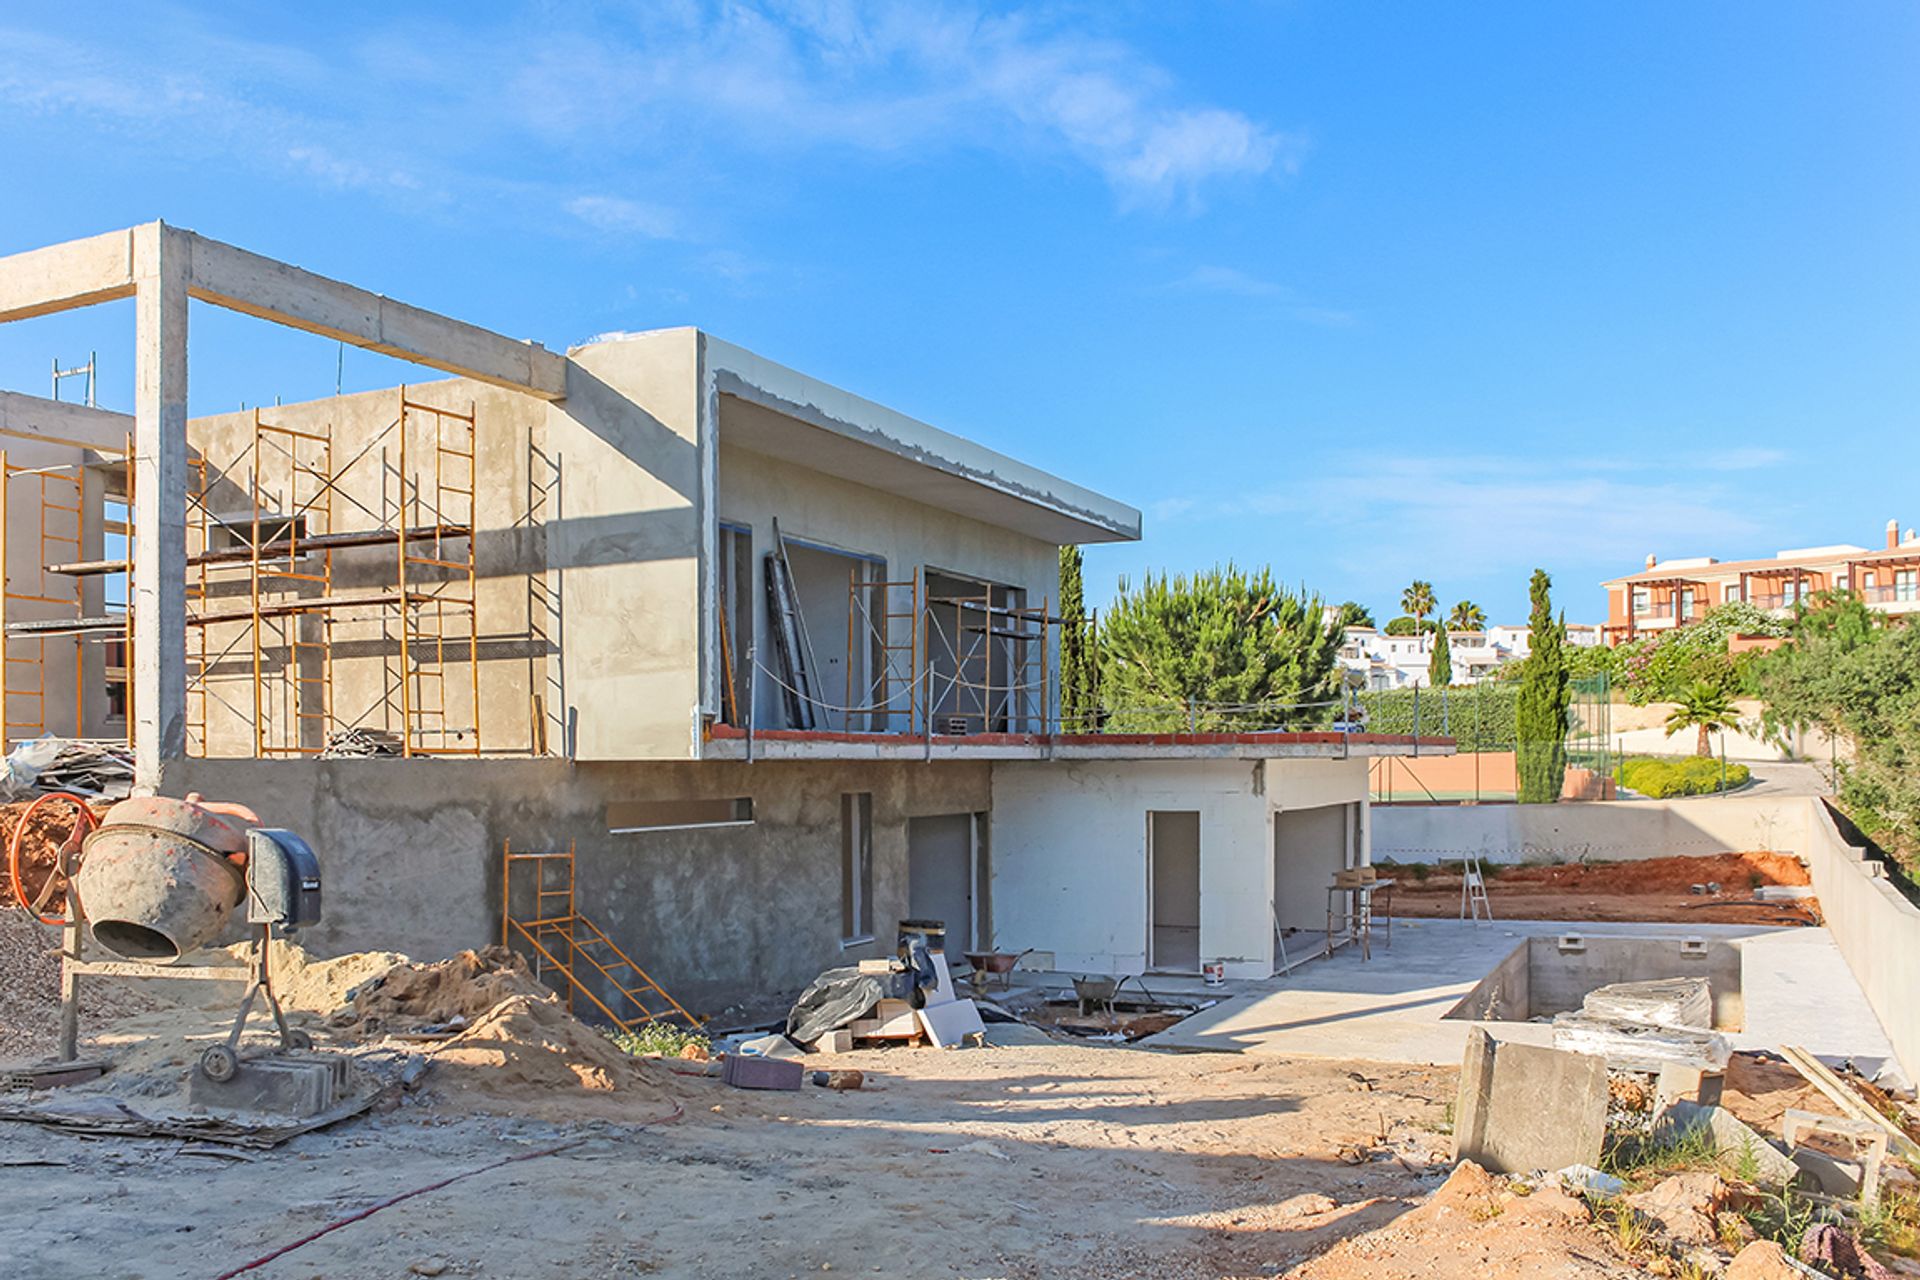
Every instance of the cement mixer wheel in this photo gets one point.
(219, 1063)
(300, 1040)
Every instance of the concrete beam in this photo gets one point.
(163, 263)
(61, 277)
(25, 417)
(101, 268)
(259, 286)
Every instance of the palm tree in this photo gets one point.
(1417, 601)
(1467, 616)
(1707, 707)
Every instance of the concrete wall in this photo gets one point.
(632, 531)
(837, 512)
(514, 625)
(411, 853)
(1876, 928)
(1615, 831)
(1070, 853)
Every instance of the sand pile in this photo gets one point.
(408, 997)
(39, 850)
(314, 985)
(528, 1054)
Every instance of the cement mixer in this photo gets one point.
(155, 879)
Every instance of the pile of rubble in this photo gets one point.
(1678, 1148)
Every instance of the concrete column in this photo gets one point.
(157, 591)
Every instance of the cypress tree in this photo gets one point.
(1079, 665)
(1546, 696)
(1440, 665)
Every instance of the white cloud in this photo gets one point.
(892, 78)
(625, 217)
(1213, 279)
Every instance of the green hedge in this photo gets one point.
(1479, 717)
(1659, 778)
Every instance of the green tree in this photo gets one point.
(1440, 665)
(1705, 706)
(1352, 614)
(1418, 600)
(1220, 650)
(1860, 683)
(1540, 719)
(1467, 616)
(1079, 667)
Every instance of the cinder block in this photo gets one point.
(298, 1087)
(1681, 1083)
(839, 1040)
(744, 1071)
(1522, 1107)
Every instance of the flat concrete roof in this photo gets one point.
(724, 742)
(783, 413)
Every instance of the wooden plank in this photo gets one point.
(61, 277)
(1842, 1095)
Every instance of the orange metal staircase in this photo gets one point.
(576, 951)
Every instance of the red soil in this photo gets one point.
(1656, 889)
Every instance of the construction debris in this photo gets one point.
(361, 744)
(1664, 1002)
(1522, 1107)
(97, 770)
(437, 998)
(1639, 1046)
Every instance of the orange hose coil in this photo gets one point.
(83, 823)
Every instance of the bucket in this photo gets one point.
(1215, 972)
(155, 881)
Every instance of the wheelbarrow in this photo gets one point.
(997, 963)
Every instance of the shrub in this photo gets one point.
(661, 1039)
(1659, 778)
(1478, 717)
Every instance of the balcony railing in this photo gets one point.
(1898, 593)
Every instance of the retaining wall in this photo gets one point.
(1875, 927)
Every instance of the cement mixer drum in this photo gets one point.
(156, 881)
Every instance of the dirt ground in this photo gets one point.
(1655, 889)
(1018, 1161)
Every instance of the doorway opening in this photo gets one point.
(1173, 891)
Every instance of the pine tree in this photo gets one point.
(1079, 662)
(1440, 665)
(1220, 650)
(1546, 696)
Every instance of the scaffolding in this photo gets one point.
(33, 610)
(273, 584)
(1000, 674)
(876, 611)
(570, 951)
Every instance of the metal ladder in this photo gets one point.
(1473, 891)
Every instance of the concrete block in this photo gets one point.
(839, 1040)
(1522, 1107)
(1679, 1082)
(288, 1086)
(1835, 1177)
(1732, 1139)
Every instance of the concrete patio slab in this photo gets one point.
(1796, 985)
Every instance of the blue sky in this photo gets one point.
(1366, 292)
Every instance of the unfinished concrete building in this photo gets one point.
(775, 664)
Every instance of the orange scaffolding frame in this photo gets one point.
(571, 947)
